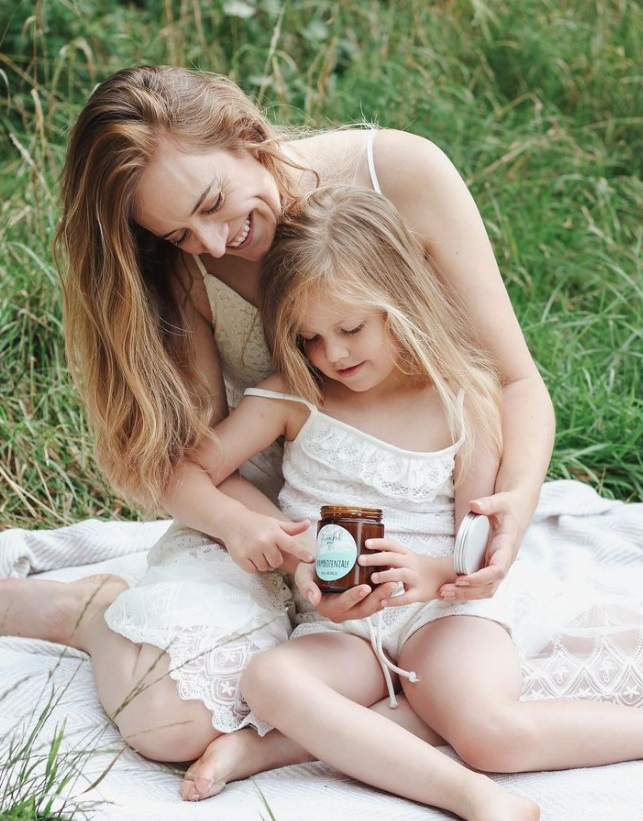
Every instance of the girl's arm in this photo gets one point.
(438, 208)
(254, 531)
(426, 577)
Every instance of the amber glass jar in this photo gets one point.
(341, 533)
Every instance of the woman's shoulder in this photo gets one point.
(408, 165)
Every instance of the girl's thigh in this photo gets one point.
(468, 667)
(340, 661)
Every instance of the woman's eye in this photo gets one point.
(179, 242)
(217, 205)
(308, 340)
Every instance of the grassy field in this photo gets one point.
(538, 103)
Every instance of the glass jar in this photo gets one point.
(341, 533)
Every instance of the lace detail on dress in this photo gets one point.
(599, 656)
(405, 477)
(238, 334)
(209, 615)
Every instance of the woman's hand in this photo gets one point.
(257, 542)
(509, 517)
(421, 575)
(356, 603)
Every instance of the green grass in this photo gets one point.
(538, 103)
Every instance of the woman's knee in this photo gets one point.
(161, 726)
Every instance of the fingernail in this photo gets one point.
(311, 598)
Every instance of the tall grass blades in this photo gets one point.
(538, 103)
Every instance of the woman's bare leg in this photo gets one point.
(136, 691)
(132, 680)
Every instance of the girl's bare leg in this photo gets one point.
(226, 756)
(473, 702)
(314, 688)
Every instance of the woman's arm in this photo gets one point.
(437, 206)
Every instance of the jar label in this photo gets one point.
(336, 553)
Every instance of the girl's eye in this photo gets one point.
(308, 340)
(217, 204)
(353, 331)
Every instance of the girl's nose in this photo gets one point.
(335, 350)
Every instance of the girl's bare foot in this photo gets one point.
(495, 803)
(55, 611)
(238, 755)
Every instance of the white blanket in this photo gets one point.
(573, 527)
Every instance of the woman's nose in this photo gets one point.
(213, 238)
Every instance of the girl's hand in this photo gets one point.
(257, 542)
(509, 518)
(356, 603)
(421, 576)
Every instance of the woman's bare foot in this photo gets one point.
(238, 755)
(55, 611)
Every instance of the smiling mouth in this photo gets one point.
(242, 235)
(349, 371)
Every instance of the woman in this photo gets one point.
(173, 188)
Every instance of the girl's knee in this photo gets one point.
(265, 682)
(260, 675)
(499, 742)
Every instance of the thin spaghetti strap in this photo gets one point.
(277, 395)
(463, 431)
(370, 139)
(200, 265)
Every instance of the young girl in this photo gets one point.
(384, 402)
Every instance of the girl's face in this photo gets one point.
(349, 343)
(218, 203)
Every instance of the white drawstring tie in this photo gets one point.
(386, 664)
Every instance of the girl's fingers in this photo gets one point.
(382, 560)
(394, 574)
(385, 545)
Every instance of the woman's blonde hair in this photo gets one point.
(125, 315)
(351, 244)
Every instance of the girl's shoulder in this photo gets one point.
(293, 410)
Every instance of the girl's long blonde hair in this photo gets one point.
(352, 244)
(125, 314)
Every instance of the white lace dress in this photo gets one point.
(573, 600)
(193, 602)
(333, 463)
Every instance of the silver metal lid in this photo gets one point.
(471, 543)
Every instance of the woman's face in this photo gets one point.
(217, 203)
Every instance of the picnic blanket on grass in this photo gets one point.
(51, 688)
